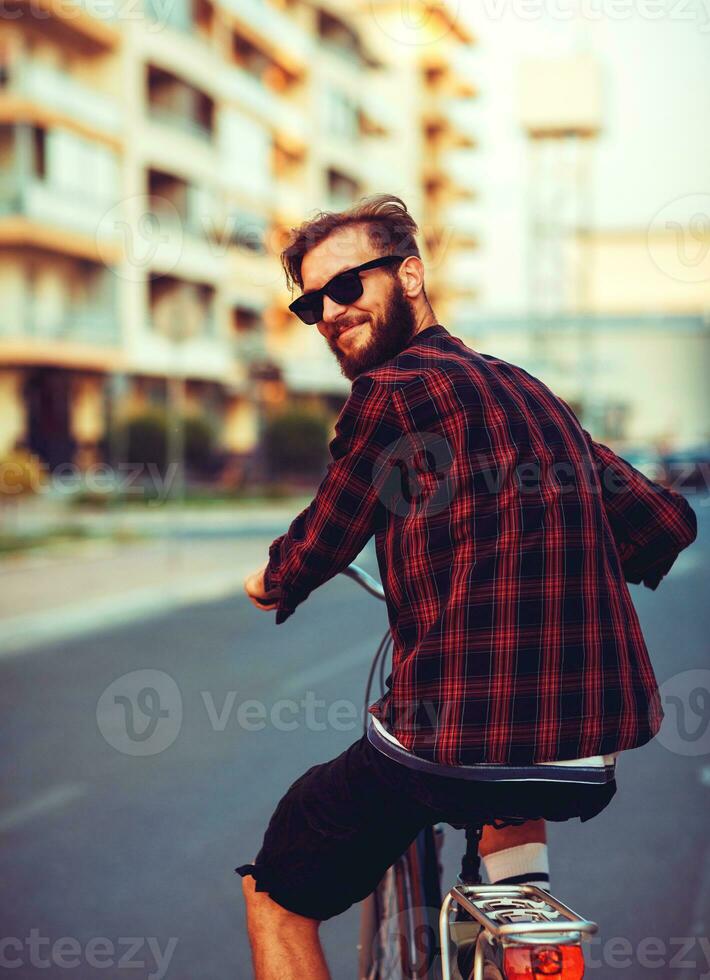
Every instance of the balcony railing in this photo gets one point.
(178, 120)
(199, 220)
(458, 116)
(273, 108)
(377, 109)
(98, 326)
(250, 346)
(274, 27)
(55, 89)
(56, 206)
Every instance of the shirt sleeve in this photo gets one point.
(328, 534)
(651, 524)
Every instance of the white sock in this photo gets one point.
(524, 864)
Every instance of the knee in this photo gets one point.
(261, 906)
(264, 914)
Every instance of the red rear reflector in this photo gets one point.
(536, 962)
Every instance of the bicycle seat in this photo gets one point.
(497, 822)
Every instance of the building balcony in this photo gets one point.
(460, 122)
(378, 116)
(463, 74)
(447, 122)
(273, 31)
(249, 346)
(93, 23)
(84, 326)
(175, 120)
(286, 119)
(52, 207)
(53, 89)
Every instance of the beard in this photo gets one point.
(388, 337)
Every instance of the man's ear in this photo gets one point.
(411, 275)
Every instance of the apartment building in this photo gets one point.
(152, 158)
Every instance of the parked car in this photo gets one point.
(644, 459)
(688, 467)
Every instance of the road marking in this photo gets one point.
(306, 680)
(53, 799)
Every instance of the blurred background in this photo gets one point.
(163, 416)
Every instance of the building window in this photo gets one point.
(39, 151)
(342, 116)
(245, 319)
(342, 190)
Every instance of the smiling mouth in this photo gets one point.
(354, 326)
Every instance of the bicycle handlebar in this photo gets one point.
(362, 578)
(358, 575)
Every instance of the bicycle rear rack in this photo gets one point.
(522, 914)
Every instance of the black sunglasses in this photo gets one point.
(344, 288)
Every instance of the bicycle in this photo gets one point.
(497, 932)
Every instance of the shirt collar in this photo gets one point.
(436, 329)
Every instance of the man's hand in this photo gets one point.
(254, 588)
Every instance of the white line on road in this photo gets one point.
(307, 679)
(53, 799)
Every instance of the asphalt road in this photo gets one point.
(120, 835)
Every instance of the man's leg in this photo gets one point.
(284, 946)
(516, 855)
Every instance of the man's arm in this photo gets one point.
(328, 534)
(651, 524)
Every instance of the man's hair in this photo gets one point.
(390, 228)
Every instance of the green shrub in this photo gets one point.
(144, 437)
(200, 434)
(296, 442)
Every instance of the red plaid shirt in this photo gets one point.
(505, 537)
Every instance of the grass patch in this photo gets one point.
(56, 537)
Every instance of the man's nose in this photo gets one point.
(332, 310)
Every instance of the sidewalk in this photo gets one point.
(60, 592)
(37, 515)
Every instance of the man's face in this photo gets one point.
(374, 328)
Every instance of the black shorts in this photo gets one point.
(343, 823)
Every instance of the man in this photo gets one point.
(505, 537)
